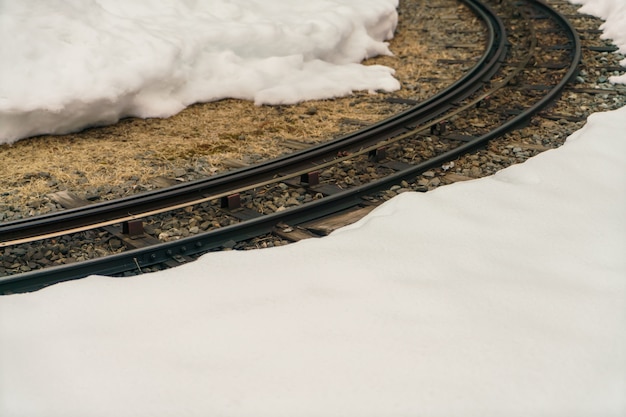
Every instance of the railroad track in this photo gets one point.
(530, 55)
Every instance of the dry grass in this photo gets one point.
(228, 129)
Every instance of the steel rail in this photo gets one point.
(158, 201)
(139, 258)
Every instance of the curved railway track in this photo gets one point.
(518, 62)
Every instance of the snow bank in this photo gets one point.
(503, 296)
(68, 64)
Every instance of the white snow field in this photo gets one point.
(504, 296)
(498, 297)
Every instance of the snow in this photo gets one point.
(614, 14)
(73, 64)
(503, 296)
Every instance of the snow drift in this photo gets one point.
(69, 64)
